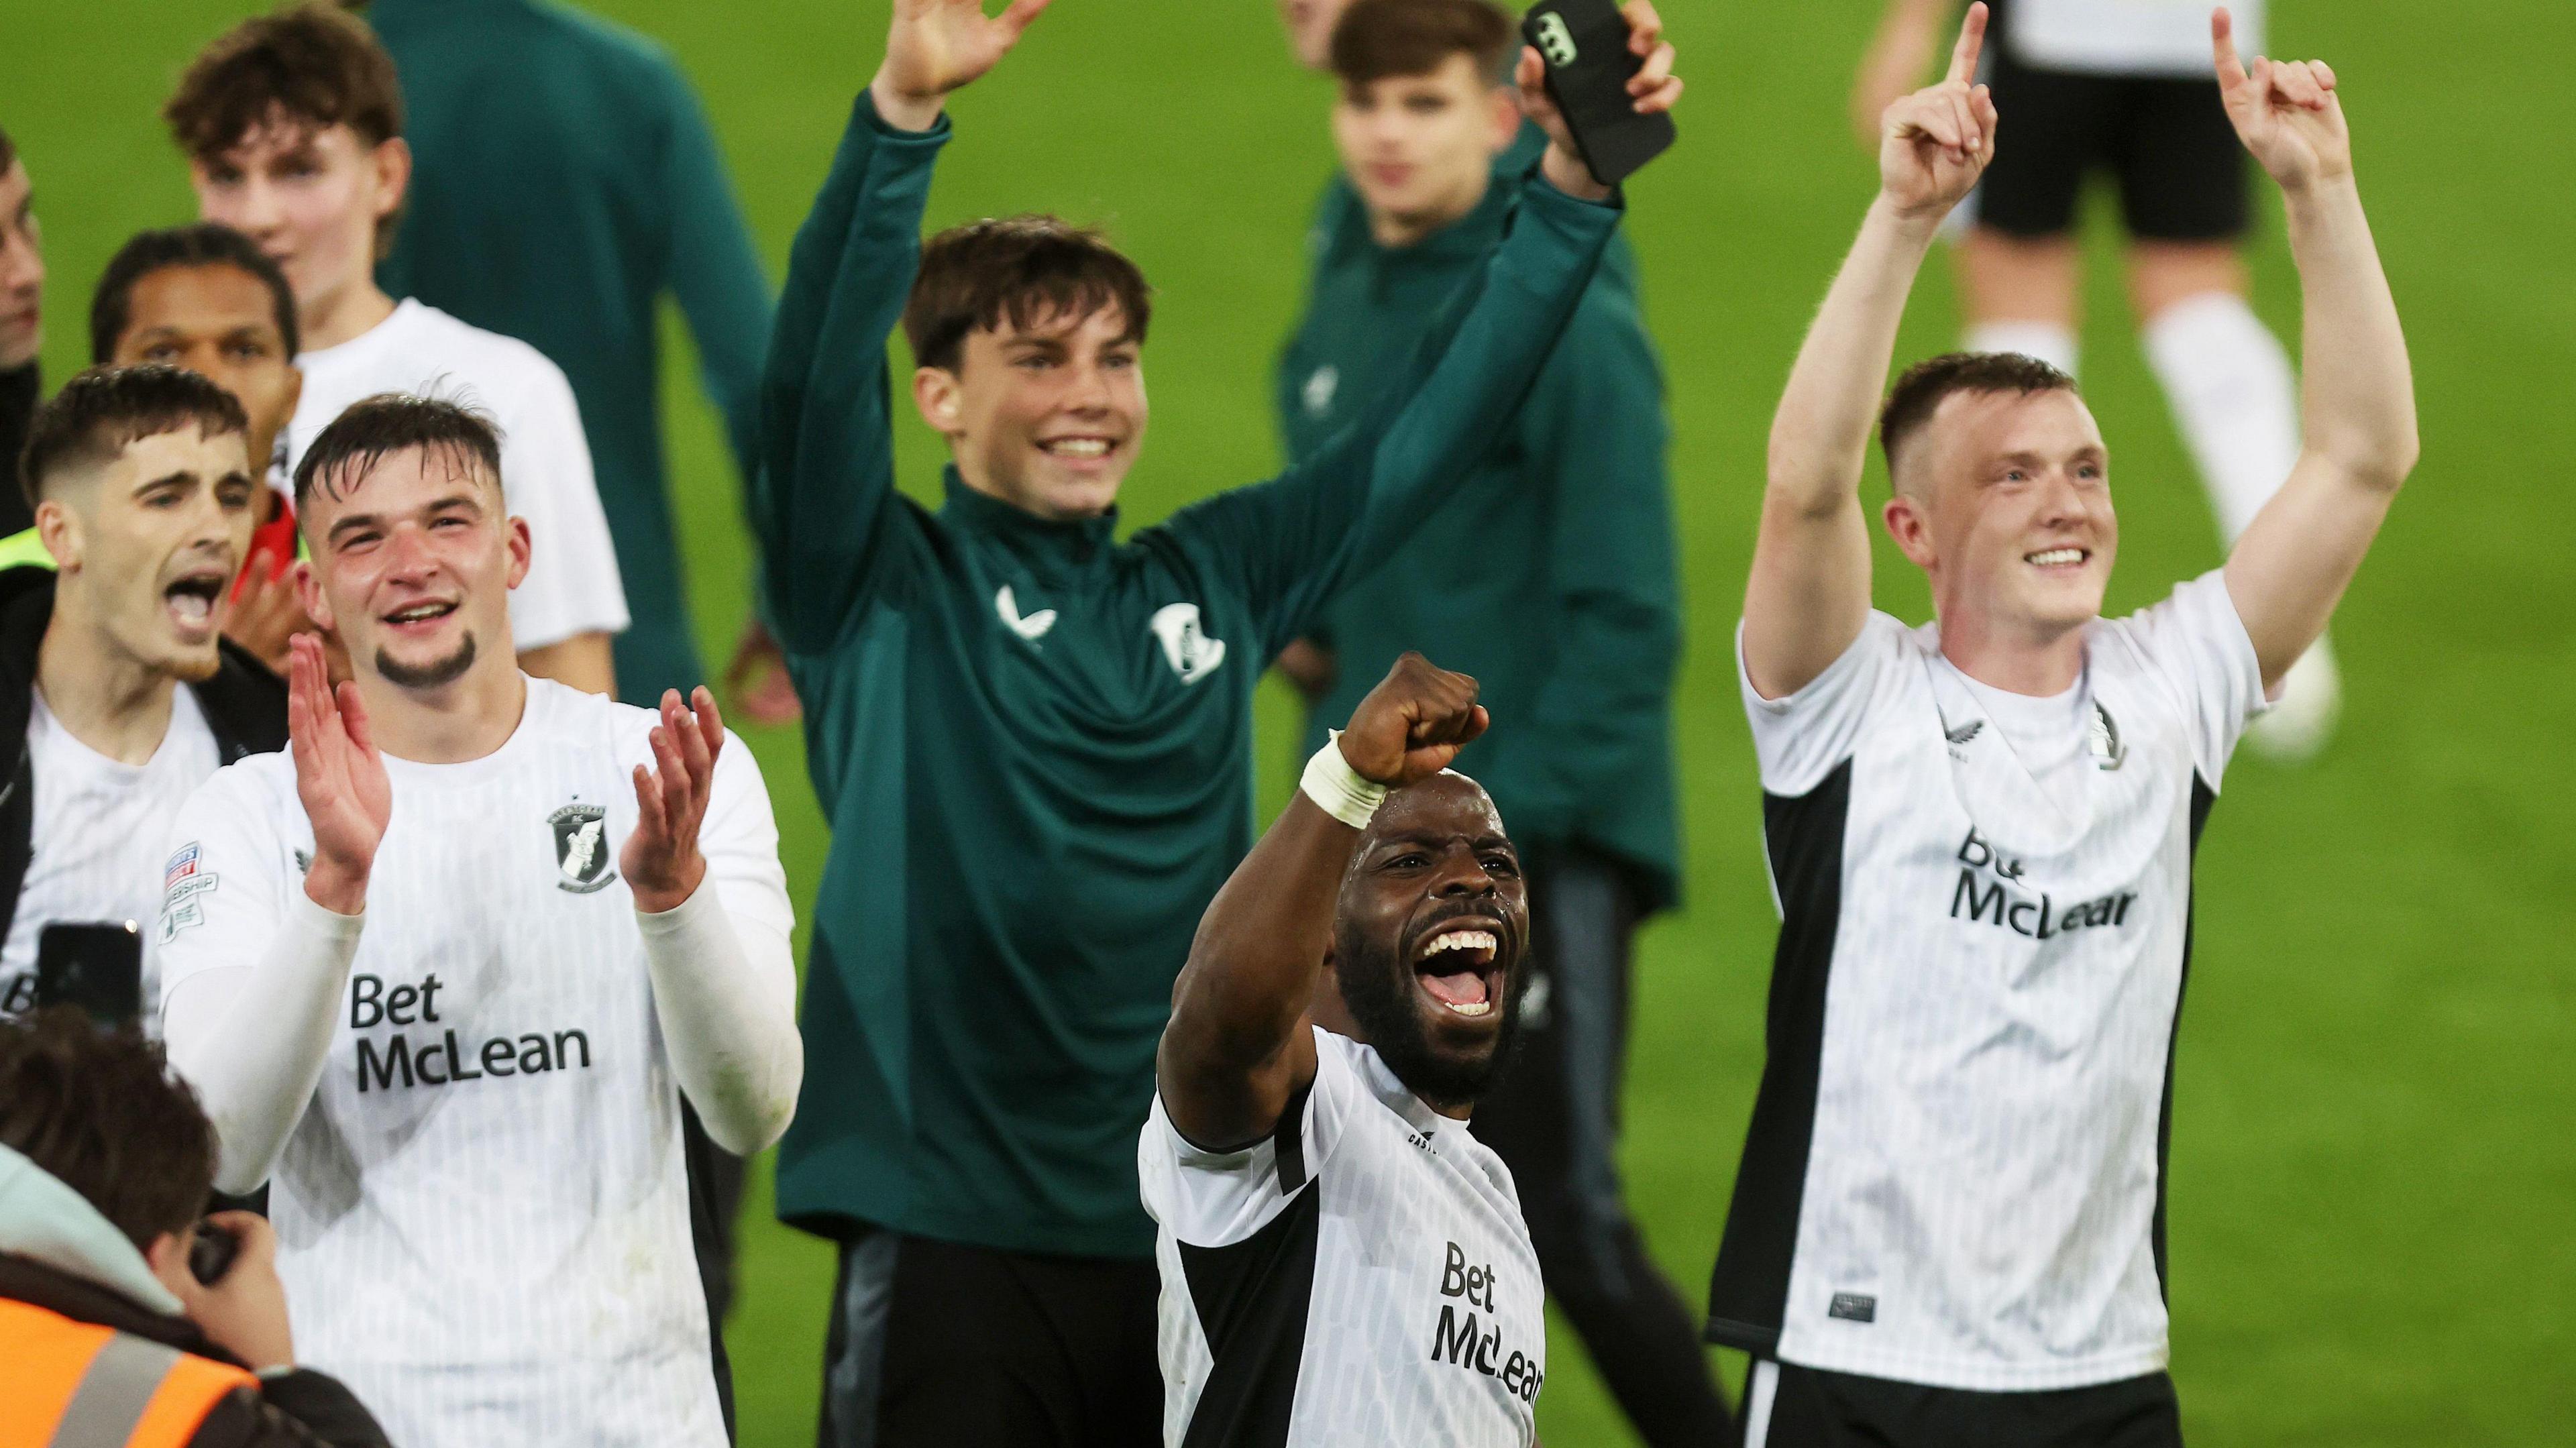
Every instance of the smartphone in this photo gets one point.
(211, 1253)
(1589, 65)
(98, 967)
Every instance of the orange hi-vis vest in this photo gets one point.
(69, 1384)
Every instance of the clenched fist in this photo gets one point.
(1413, 723)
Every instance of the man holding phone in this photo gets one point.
(142, 490)
(1567, 612)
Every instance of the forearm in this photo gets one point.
(725, 992)
(1820, 435)
(2360, 388)
(253, 1043)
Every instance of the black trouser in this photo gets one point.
(715, 1200)
(1787, 1406)
(936, 1345)
(1554, 1119)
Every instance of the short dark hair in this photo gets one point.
(1019, 268)
(1377, 39)
(375, 428)
(206, 243)
(104, 410)
(315, 63)
(1919, 393)
(100, 1112)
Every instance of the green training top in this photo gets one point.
(1549, 575)
(1034, 741)
(564, 180)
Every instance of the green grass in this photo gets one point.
(2372, 1168)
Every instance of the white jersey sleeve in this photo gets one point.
(1800, 738)
(573, 586)
(1219, 1198)
(2196, 642)
(222, 895)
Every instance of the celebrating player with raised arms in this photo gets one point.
(1343, 1263)
(1948, 1227)
(441, 974)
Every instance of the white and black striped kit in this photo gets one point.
(1955, 1171)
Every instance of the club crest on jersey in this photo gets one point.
(581, 848)
(1191, 653)
(2104, 740)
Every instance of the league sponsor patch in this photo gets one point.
(181, 866)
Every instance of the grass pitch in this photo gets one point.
(2372, 1167)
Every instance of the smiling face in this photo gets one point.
(1310, 29)
(413, 561)
(313, 198)
(22, 269)
(1429, 936)
(1420, 149)
(219, 322)
(2004, 499)
(146, 543)
(1046, 417)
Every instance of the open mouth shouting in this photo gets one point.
(1459, 967)
(190, 600)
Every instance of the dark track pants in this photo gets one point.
(1787, 1406)
(1554, 1119)
(715, 1201)
(936, 1345)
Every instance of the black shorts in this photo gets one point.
(1806, 1408)
(2167, 141)
(936, 1345)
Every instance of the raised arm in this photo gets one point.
(1809, 592)
(826, 481)
(2290, 569)
(1238, 1047)
(1347, 508)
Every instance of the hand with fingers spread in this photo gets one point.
(937, 46)
(661, 860)
(1935, 144)
(1413, 723)
(2285, 111)
(339, 776)
(1654, 87)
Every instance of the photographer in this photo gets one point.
(106, 1334)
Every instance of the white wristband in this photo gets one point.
(1339, 790)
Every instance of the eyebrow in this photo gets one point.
(166, 480)
(376, 520)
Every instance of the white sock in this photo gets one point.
(2047, 341)
(2233, 392)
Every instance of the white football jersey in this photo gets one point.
(1955, 1170)
(483, 1217)
(572, 587)
(1361, 1278)
(95, 852)
(2126, 37)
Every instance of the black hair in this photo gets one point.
(377, 427)
(207, 243)
(102, 411)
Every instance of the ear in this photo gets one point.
(1911, 527)
(58, 528)
(308, 592)
(392, 160)
(1506, 104)
(522, 547)
(941, 399)
(168, 1259)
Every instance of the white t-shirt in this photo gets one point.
(1361, 1278)
(98, 838)
(1955, 1172)
(572, 587)
(483, 1217)
(2126, 37)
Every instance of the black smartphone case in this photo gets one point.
(1585, 45)
(96, 967)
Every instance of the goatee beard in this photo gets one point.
(437, 674)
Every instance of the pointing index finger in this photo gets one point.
(2222, 40)
(1972, 44)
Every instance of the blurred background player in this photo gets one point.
(106, 1335)
(292, 125)
(1034, 740)
(1549, 577)
(203, 297)
(143, 495)
(447, 969)
(2123, 87)
(1350, 996)
(564, 181)
(22, 313)
(1948, 1226)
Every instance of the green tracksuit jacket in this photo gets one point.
(565, 181)
(1033, 740)
(1565, 607)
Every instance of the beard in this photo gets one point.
(1379, 990)
(436, 674)
(197, 668)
